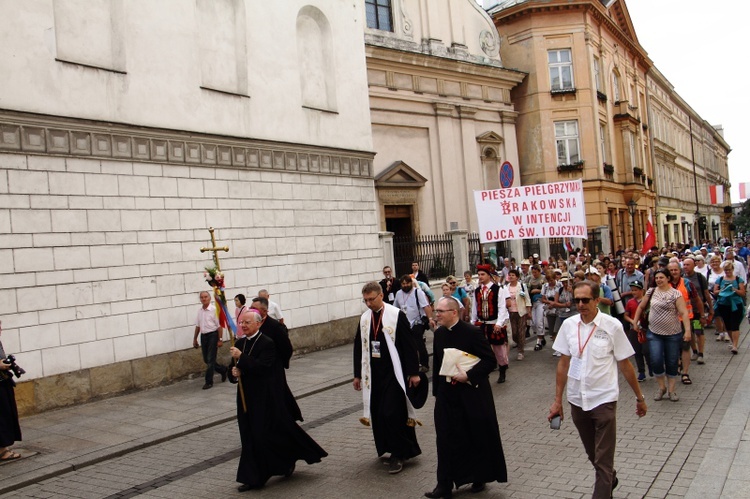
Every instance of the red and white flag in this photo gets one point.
(717, 194)
(650, 240)
(744, 190)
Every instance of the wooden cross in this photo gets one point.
(215, 249)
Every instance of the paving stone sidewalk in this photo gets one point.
(71, 438)
(696, 447)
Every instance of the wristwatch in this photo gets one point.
(642, 398)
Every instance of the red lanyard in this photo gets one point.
(582, 348)
(376, 328)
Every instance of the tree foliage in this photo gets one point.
(742, 220)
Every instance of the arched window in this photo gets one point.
(315, 59)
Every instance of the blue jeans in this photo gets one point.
(664, 352)
(209, 346)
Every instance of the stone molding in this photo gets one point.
(26, 133)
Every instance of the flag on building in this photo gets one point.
(650, 240)
(744, 190)
(717, 194)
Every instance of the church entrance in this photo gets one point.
(398, 219)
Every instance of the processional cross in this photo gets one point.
(215, 249)
(219, 294)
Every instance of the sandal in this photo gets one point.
(686, 380)
(9, 455)
(660, 394)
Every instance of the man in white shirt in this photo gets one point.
(207, 325)
(274, 310)
(592, 346)
(414, 303)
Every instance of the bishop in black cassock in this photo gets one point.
(469, 449)
(272, 441)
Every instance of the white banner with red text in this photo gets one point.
(530, 211)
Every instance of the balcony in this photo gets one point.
(563, 91)
(573, 167)
(608, 169)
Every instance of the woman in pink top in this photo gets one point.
(667, 308)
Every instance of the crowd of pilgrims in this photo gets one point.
(520, 305)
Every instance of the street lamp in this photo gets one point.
(631, 209)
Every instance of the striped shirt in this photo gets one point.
(663, 318)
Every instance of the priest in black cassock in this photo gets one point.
(468, 437)
(385, 363)
(272, 442)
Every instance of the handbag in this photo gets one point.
(642, 336)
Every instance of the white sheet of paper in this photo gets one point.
(574, 371)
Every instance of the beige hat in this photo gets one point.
(525, 262)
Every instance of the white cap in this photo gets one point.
(593, 270)
(536, 255)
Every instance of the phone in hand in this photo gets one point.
(554, 423)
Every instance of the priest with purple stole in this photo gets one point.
(385, 364)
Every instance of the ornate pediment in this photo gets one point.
(490, 138)
(400, 175)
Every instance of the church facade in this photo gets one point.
(129, 128)
(443, 123)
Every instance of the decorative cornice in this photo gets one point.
(26, 133)
(505, 16)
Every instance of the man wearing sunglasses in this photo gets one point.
(593, 346)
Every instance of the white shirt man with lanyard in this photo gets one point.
(414, 303)
(592, 346)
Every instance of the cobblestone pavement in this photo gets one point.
(678, 449)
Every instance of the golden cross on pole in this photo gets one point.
(215, 249)
(220, 296)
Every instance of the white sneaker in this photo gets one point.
(727, 338)
(720, 336)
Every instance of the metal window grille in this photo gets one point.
(434, 254)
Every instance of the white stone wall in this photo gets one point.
(100, 259)
(228, 67)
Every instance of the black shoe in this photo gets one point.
(501, 376)
(245, 487)
(395, 466)
(439, 492)
(224, 376)
(615, 482)
(537, 347)
(207, 386)
(544, 342)
(477, 487)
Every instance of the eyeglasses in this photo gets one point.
(371, 300)
(585, 301)
(246, 323)
(439, 311)
(452, 283)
